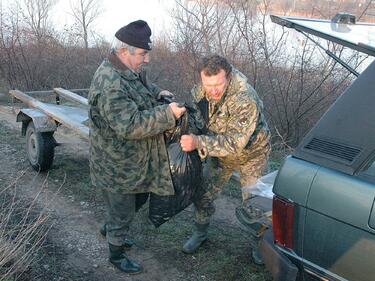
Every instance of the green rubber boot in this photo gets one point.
(256, 256)
(119, 259)
(103, 230)
(127, 244)
(196, 240)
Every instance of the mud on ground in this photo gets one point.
(74, 249)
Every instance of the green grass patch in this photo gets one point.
(69, 172)
(74, 173)
(224, 256)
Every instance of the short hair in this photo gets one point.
(211, 65)
(117, 45)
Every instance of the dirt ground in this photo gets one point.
(74, 249)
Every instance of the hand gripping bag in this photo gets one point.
(186, 171)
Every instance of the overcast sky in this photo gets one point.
(118, 13)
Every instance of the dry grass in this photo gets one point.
(23, 228)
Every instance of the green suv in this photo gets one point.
(323, 213)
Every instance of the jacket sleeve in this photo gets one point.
(197, 122)
(124, 117)
(239, 128)
(154, 89)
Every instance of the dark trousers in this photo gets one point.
(120, 213)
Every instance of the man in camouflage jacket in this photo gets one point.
(237, 137)
(127, 150)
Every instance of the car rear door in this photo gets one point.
(338, 236)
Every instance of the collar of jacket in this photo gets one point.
(125, 71)
(238, 82)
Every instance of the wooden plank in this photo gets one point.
(39, 92)
(71, 96)
(64, 119)
(44, 92)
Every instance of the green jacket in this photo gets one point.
(127, 149)
(236, 127)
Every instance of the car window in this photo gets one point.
(359, 36)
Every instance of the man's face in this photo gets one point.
(214, 85)
(136, 59)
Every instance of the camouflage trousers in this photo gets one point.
(217, 173)
(121, 209)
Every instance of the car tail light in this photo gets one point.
(282, 222)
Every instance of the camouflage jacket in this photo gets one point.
(127, 149)
(236, 128)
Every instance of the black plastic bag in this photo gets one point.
(140, 200)
(186, 171)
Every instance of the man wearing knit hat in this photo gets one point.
(128, 156)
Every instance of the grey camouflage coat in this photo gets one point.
(127, 149)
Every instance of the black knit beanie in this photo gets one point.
(136, 34)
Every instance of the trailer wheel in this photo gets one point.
(40, 148)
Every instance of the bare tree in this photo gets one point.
(42, 60)
(296, 83)
(85, 12)
(36, 15)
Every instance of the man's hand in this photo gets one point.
(167, 95)
(189, 142)
(177, 109)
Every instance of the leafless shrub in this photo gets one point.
(23, 229)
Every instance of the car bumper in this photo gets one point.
(281, 268)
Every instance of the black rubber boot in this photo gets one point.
(127, 244)
(120, 260)
(196, 240)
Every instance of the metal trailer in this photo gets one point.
(41, 119)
